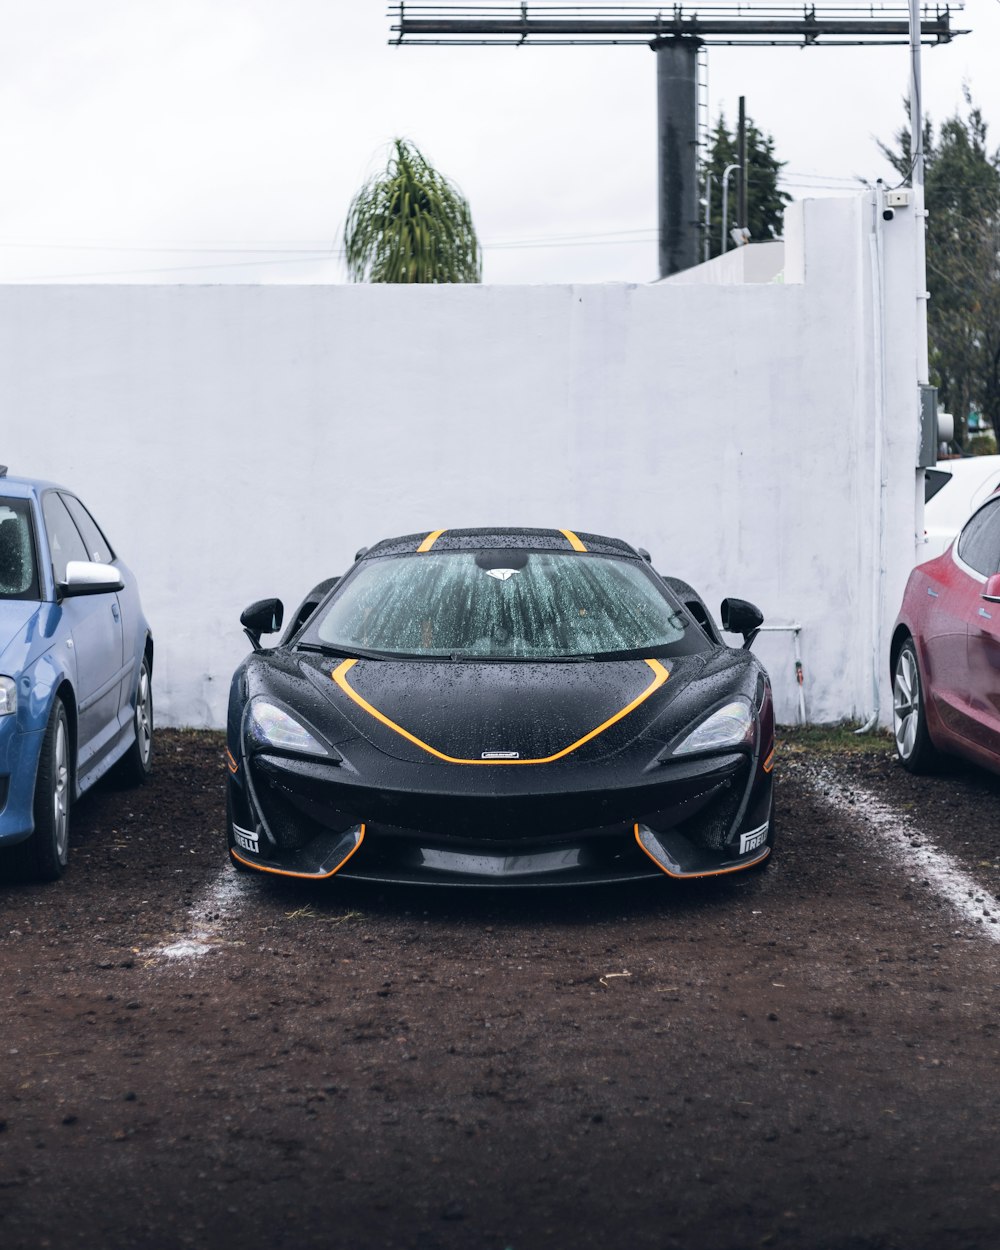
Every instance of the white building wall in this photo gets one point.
(237, 442)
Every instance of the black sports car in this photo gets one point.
(493, 707)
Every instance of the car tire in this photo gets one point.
(46, 852)
(909, 718)
(137, 762)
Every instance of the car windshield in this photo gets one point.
(505, 605)
(17, 559)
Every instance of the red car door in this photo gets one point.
(983, 728)
(952, 593)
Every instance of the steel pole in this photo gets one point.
(916, 103)
(724, 239)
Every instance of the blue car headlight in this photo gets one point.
(8, 696)
(268, 725)
(729, 726)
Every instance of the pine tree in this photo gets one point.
(962, 193)
(765, 202)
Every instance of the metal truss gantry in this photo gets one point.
(675, 34)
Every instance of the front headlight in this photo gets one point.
(728, 726)
(271, 726)
(8, 696)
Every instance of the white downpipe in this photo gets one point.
(876, 255)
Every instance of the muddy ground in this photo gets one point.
(806, 1057)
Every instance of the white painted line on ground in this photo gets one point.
(895, 834)
(213, 908)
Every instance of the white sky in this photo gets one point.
(222, 140)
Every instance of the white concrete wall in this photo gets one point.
(755, 262)
(237, 442)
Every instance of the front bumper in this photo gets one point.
(691, 818)
(18, 768)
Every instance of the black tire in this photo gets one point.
(914, 748)
(137, 763)
(45, 854)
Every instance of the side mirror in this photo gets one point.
(740, 617)
(263, 617)
(991, 591)
(87, 577)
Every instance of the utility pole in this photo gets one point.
(674, 35)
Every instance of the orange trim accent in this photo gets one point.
(307, 876)
(339, 675)
(573, 541)
(230, 762)
(430, 540)
(691, 876)
(769, 762)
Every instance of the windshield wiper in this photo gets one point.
(459, 657)
(656, 651)
(347, 653)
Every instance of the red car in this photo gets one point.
(945, 655)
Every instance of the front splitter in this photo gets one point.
(677, 856)
(323, 857)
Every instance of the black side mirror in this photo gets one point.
(263, 617)
(740, 617)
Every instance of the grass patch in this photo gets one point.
(831, 740)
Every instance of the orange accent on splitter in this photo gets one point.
(307, 876)
(339, 675)
(230, 762)
(769, 762)
(690, 876)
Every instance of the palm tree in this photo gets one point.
(410, 224)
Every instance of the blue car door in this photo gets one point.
(99, 549)
(93, 628)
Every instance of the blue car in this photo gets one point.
(76, 666)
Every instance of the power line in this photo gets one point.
(124, 273)
(182, 249)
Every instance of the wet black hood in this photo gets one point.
(473, 712)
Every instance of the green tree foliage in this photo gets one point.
(962, 192)
(765, 203)
(410, 224)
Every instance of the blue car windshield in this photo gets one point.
(18, 576)
(505, 605)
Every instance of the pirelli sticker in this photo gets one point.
(752, 840)
(247, 839)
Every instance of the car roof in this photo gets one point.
(485, 539)
(25, 487)
(972, 481)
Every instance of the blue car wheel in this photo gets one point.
(45, 854)
(137, 762)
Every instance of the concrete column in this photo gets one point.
(677, 152)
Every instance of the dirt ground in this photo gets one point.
(805, 1057)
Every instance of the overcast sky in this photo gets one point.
(222, 140)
